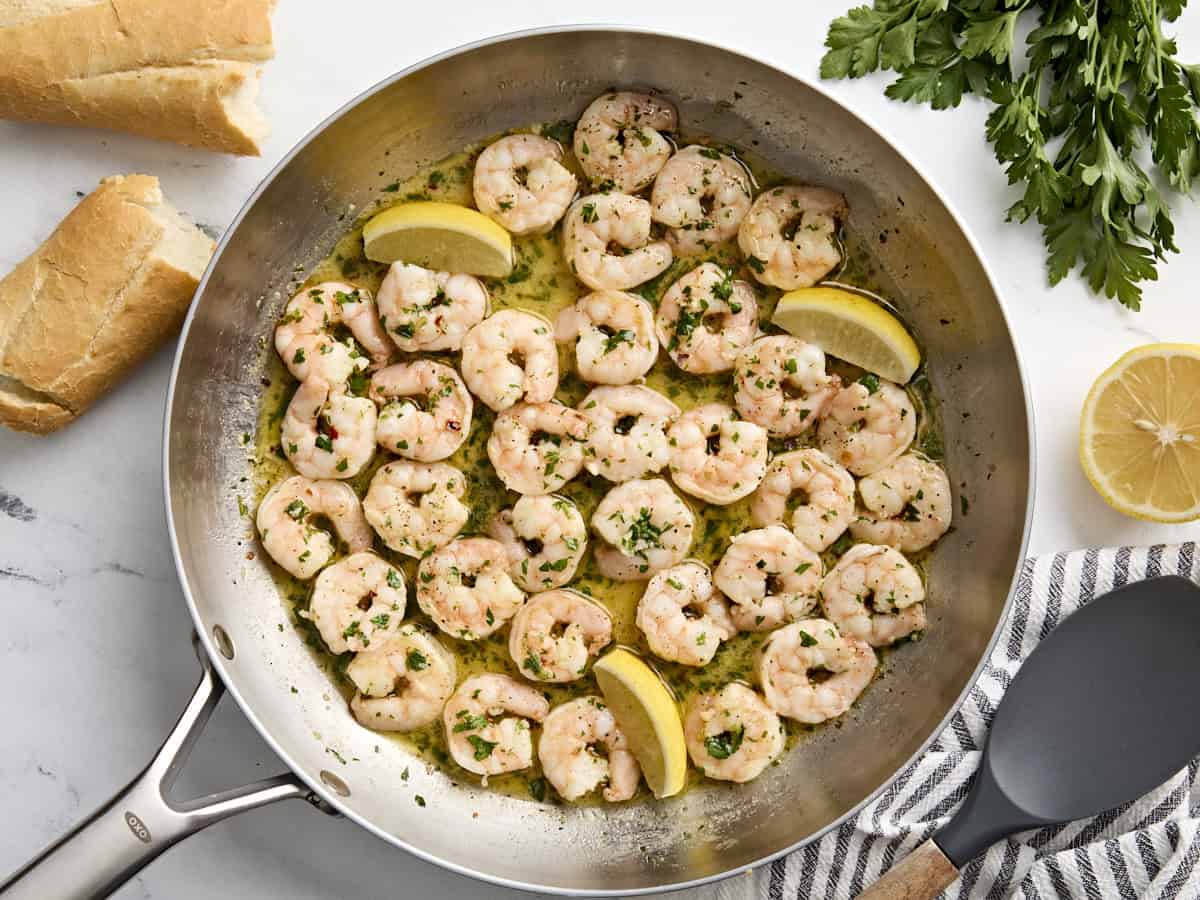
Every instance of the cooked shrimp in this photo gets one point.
(545, 538)
(425, 409)
(425, 310)
(481, 738)
(683, 617)
(706, 319)
(511, 356)
(598, 222)
(618, 141)
(403, 683)
(809, 672)
(643, 527)
(569, 754)
(825, 491)
(701, 195)
(627, 437)
(465, 588)
(286, 526)
(771, 578)
(304, 336)
(521, 183)
(874, 594)
(780, 382)
(613, 334)
(557, 633)
(715, 456)
(357, 602)
(908, 504)
(326, 436)
(790, 235)
(416, 507)
(732, 735)
(867, 429)
(536, 448)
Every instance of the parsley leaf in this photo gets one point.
(725, 744)
(1102, 81)
(483, 749)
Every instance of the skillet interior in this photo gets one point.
(422, 115)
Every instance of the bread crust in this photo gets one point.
(184, 71)
(101, 294)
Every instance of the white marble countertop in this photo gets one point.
(96, 660)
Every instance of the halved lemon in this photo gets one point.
(442, 236)
(851, 327)
(646, 711)
(1139, 435)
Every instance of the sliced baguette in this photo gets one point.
(184, 71)
(99, 296)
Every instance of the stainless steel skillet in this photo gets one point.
(927, 262)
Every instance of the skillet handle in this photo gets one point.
(922, 875)
(140, 822)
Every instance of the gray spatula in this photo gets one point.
(1105, 709)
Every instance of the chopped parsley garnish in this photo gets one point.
(642, 534)
(807, 640)
(870, 381)
(296, 510)
(394, 580)
(483, 749)
(533, 664)
(324, 442)
(589, 213)
(710, 153)
(616, 339)
(537, 789)
(416, 661)
(687, 322)
(468, 722)
(381, 620)
(756, 264)
(725, 744)
(723, 289)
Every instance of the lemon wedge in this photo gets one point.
(646, 711)
(850, 327)
(1139, 435)
(442, 236)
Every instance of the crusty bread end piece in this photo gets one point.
(102, 293)
(183, 71)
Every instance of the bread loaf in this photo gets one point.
(179, 70)
(99, 296)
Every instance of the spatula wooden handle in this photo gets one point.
(924, 874)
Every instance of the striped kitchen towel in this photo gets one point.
(1146, 849)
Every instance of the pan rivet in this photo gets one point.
(338, 786)
(224, 644)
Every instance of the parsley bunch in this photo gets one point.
(1101, 79)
